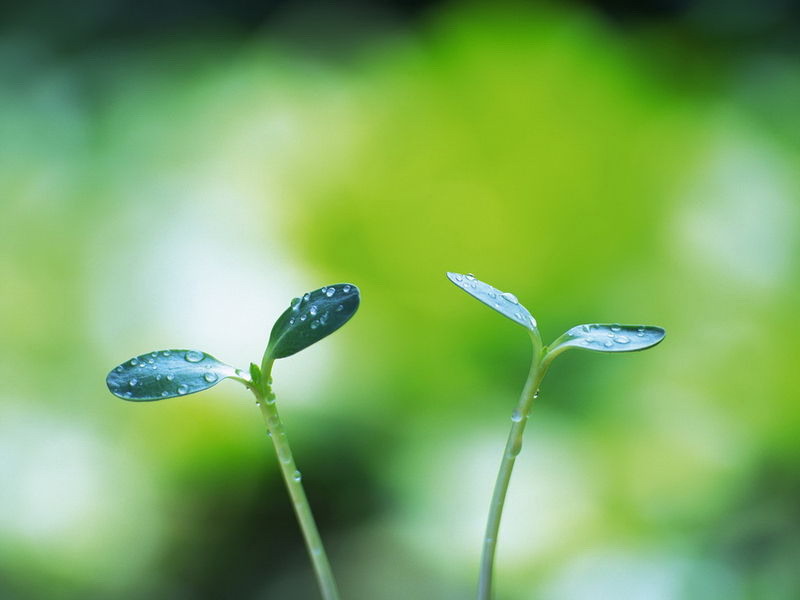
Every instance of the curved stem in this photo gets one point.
(513, 446)
(265, 399)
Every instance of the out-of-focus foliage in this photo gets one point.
(175, 193)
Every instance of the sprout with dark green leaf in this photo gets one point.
(165, 374)
(599, 337)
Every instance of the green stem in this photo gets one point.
(519, 419)
(265, 399)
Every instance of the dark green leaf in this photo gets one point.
(505, 303)
(605, 337)
(166, 374)
(310, 318)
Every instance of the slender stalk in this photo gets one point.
(265, 399)
(519, 419)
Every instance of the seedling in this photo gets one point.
(169, 373)
(599, 337)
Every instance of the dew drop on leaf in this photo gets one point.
(210, 377)
(183, 388)
(193, 356)
(330, 292)
(508, 296)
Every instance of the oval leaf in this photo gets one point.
(166, 374)
(310, 318)
(609, 337)
(505, 303)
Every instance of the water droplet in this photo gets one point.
(134, 362)
(210, 377)
(193, 356)
(133, 382)
(509, 297)
(314, 324)
(154, 354)
(458, 277)
(608, 344)
(183, 388)
(533, 321)
(518, 315)
(313, 311)
(536, 394)
(340, 308)
(158, 377)
(585, 329)
(119, 369)
(295, 303)
(516, 416)
(166, 353)
(589, 340)
(611, 335)
(170, 377)
(306, 297)
(346, 289)
(640, 332)
(291, 321)
(615, 327)
(621, 339)
(330, 292)
(470, 276)
(164, 394)
(303, 317)
(128, 394)
(150, 361)
(155, 367)
(297, 476)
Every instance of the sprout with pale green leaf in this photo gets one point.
(165, 374)
(599, 337)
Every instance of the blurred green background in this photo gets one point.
(172, 174)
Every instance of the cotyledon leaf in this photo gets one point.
(310, 318)
(505, 303)
(166, 374)
(608, 337)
